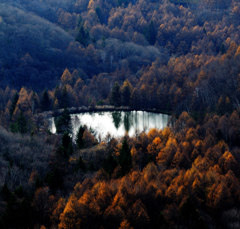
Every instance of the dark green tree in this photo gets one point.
(55, 180)
(83, 35)
(81, 165)
(64, 97)
(66, 116)
(66, 140)
(109, 164)
(115, 96)
(45, 102)
(63, 122)
(125, 158)
(222, 49)
(21, 124)
(79, 137)
(66, 148)
(14, 103)
(150, 33)
(100, 15)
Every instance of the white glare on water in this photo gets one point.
(116, 123)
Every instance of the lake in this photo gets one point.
(117, 123)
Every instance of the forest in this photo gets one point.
(179, 57)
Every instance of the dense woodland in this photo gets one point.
(179, 57)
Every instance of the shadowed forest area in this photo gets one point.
(179, 57)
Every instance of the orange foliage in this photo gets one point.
(155, 147)
(227, 162)
(150, 172)
(58, 210)
(166, 155)
(152, 134)
(66, 77)
(125, 225)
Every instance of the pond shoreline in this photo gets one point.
(83, 109)
(119, 121)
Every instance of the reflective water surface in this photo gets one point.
(116, 123)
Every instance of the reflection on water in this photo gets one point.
(117, 118)
(127, 121)
(117, 123)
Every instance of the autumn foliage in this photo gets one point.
(191, 182)
(176, 57)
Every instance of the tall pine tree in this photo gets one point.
(14, 103)
(45, 101)
(115, 97)
(150, 33)
(79, 137)
(125, 158)
(83, 34)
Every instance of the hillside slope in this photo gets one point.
(32, 50)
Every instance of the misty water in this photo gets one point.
(116, 123)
